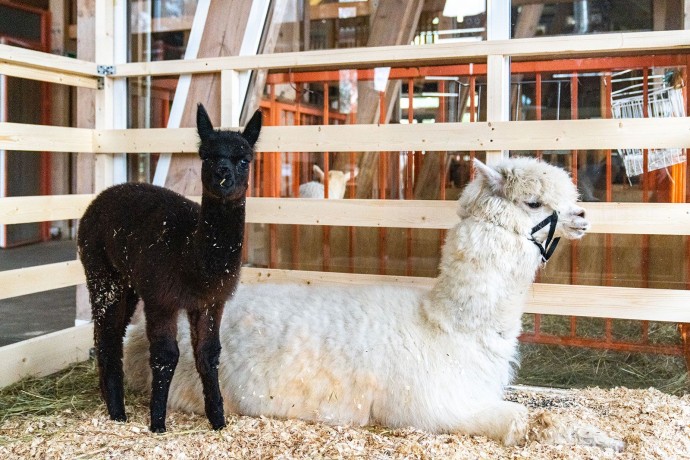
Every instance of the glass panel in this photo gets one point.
(19, 23)
(551, 17)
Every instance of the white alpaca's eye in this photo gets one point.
(534, 204)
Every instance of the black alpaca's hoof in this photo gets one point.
(157, 428)
(218, 425)
(216, 417)
(118, 417)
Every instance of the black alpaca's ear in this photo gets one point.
(253, 128)
(203, 123)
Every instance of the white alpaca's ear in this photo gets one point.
(356, 171)
(319, 172)
(491, 176)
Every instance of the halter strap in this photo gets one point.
(550, 243)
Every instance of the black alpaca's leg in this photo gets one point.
(204, 326)
(112, 307)
(161, 328)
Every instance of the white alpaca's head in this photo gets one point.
(337, 181)
(533, 189)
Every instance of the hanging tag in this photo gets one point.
(381, 78)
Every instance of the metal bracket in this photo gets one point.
(105, 69)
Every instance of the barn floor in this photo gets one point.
(32, 315)
(62, 417)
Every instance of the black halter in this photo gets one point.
(550, 243)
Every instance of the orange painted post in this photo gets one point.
(608, 238)
(382, 185)
(326, 229)
(573, 244)
(410, 154)
(270, 184)
(442, 108)
(296, 179)
(537, 102)
(408, 177)
(473, 117)
(352, 194)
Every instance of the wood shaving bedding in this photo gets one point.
(653, 424)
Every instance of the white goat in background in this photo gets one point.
(337, 183)
(436, 360)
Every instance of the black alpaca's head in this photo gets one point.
(226, 156)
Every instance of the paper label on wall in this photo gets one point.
(381, 78)
(347, 12)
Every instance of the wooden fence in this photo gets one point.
(46, 354)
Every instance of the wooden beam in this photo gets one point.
(41, 138)
(614, 218)
(84, 160)
(29, 280)
(410, 55)
(497, 72)
(50, 76)
(510, 135)
(45, 354)
(554, 299)
(24, 209)
(528, 20)
(557, 299)
(231, 106)
(45, 61)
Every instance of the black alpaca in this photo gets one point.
(142, 241)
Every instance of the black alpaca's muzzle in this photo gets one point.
(550, 243)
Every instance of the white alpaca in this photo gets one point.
(436, 360)
(337, 183)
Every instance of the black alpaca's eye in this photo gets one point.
(243, 163)
(534, 204)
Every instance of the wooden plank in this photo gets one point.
(29, 280)
(45, 354)
(105, 100)
(578, 300)
(610, 302)
(639, 218)
(50, 76)
(230, 103)
(46, 61)
(507, 135)
(19, 210)
(444, 53)
(85, 118)
(166, 24)
(356, 213)
(40, 138)
(614, 218)
(590, 301)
